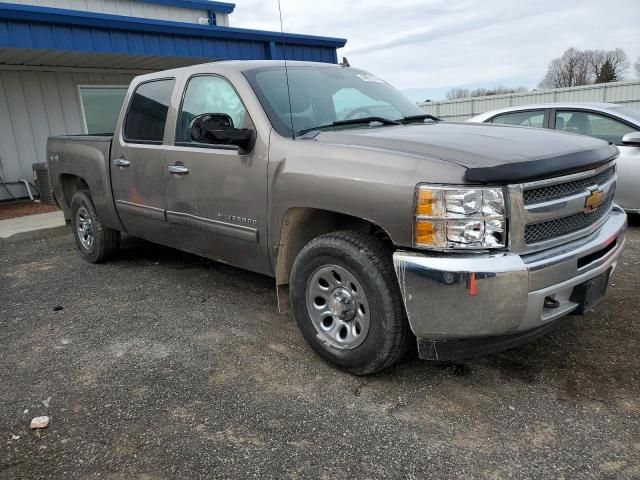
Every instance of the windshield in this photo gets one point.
(635, 114)
(323, 95)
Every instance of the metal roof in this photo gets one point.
(220, 7)
(54, 33)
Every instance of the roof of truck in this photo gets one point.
(252, 64)
(228, 66)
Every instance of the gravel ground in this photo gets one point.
(165, 365)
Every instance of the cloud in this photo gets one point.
(433, 45)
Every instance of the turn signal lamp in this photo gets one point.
(459, 218)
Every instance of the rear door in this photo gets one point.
(217, 194)
(138, 162)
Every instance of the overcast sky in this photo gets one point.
(426, 47)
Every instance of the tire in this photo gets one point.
(355, 320)
(95, 241)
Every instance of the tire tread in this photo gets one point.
(107, 240)
(379, 254)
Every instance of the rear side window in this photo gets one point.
(531, 118)
(147, 113)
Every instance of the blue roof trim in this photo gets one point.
(41, 28)
(220, 7)
(58, 16)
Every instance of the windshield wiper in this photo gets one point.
(352, 121)
(419, 118)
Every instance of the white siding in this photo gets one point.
(623, 93)
(35, 105)
(128, 8)
(222, 19)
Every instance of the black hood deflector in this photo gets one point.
(539, 169)
(490, 153)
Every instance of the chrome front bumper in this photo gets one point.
(457, 296)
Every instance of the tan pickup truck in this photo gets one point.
(381, 225)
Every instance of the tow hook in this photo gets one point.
(550, 302)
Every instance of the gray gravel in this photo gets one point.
(165, 365)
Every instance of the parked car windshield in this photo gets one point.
(323, 95)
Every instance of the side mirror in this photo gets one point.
(632, 138)
(218, 129)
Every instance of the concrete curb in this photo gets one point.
(33, 235)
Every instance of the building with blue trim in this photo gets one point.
(65, 64)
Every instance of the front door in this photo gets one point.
(138, 162)
(217, 194)
(604, 127)
(628, 177)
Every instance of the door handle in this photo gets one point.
(121, 162)
(179, 169)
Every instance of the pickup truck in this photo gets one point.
(381, 225)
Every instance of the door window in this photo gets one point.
(530, 118)
(147, 113)
(209, 94)
(101, 107)
(592, 124)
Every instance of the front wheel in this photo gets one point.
(347, 303)
(95, 241)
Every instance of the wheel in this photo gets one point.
(347, 303)
(95, 241)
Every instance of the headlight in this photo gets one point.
(459, 217)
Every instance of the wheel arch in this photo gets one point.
(68, 184)
(299, 226)
(71, 184)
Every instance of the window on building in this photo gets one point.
(209, 94)
(101, 107)
(531, 118)
(147, 113)
(592, 124)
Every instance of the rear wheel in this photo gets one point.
(347, 303)
(95, 242)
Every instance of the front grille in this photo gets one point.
(537, 232)
(567, 189)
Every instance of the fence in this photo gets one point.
(622, 93)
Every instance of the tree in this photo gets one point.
(499, 90)
(569, 70)
(637, 67)
(617, 61)
(606, 74)
(479, 92)
(577, 67)
(456, 93)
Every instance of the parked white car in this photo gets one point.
(607, 121)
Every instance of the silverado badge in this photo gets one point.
(593, 200)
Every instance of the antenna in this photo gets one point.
(286, 72)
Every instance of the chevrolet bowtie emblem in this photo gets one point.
(593, 200)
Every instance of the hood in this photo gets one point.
(490, 153)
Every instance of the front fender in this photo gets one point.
(377, 186)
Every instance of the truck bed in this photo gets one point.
(77, 159)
